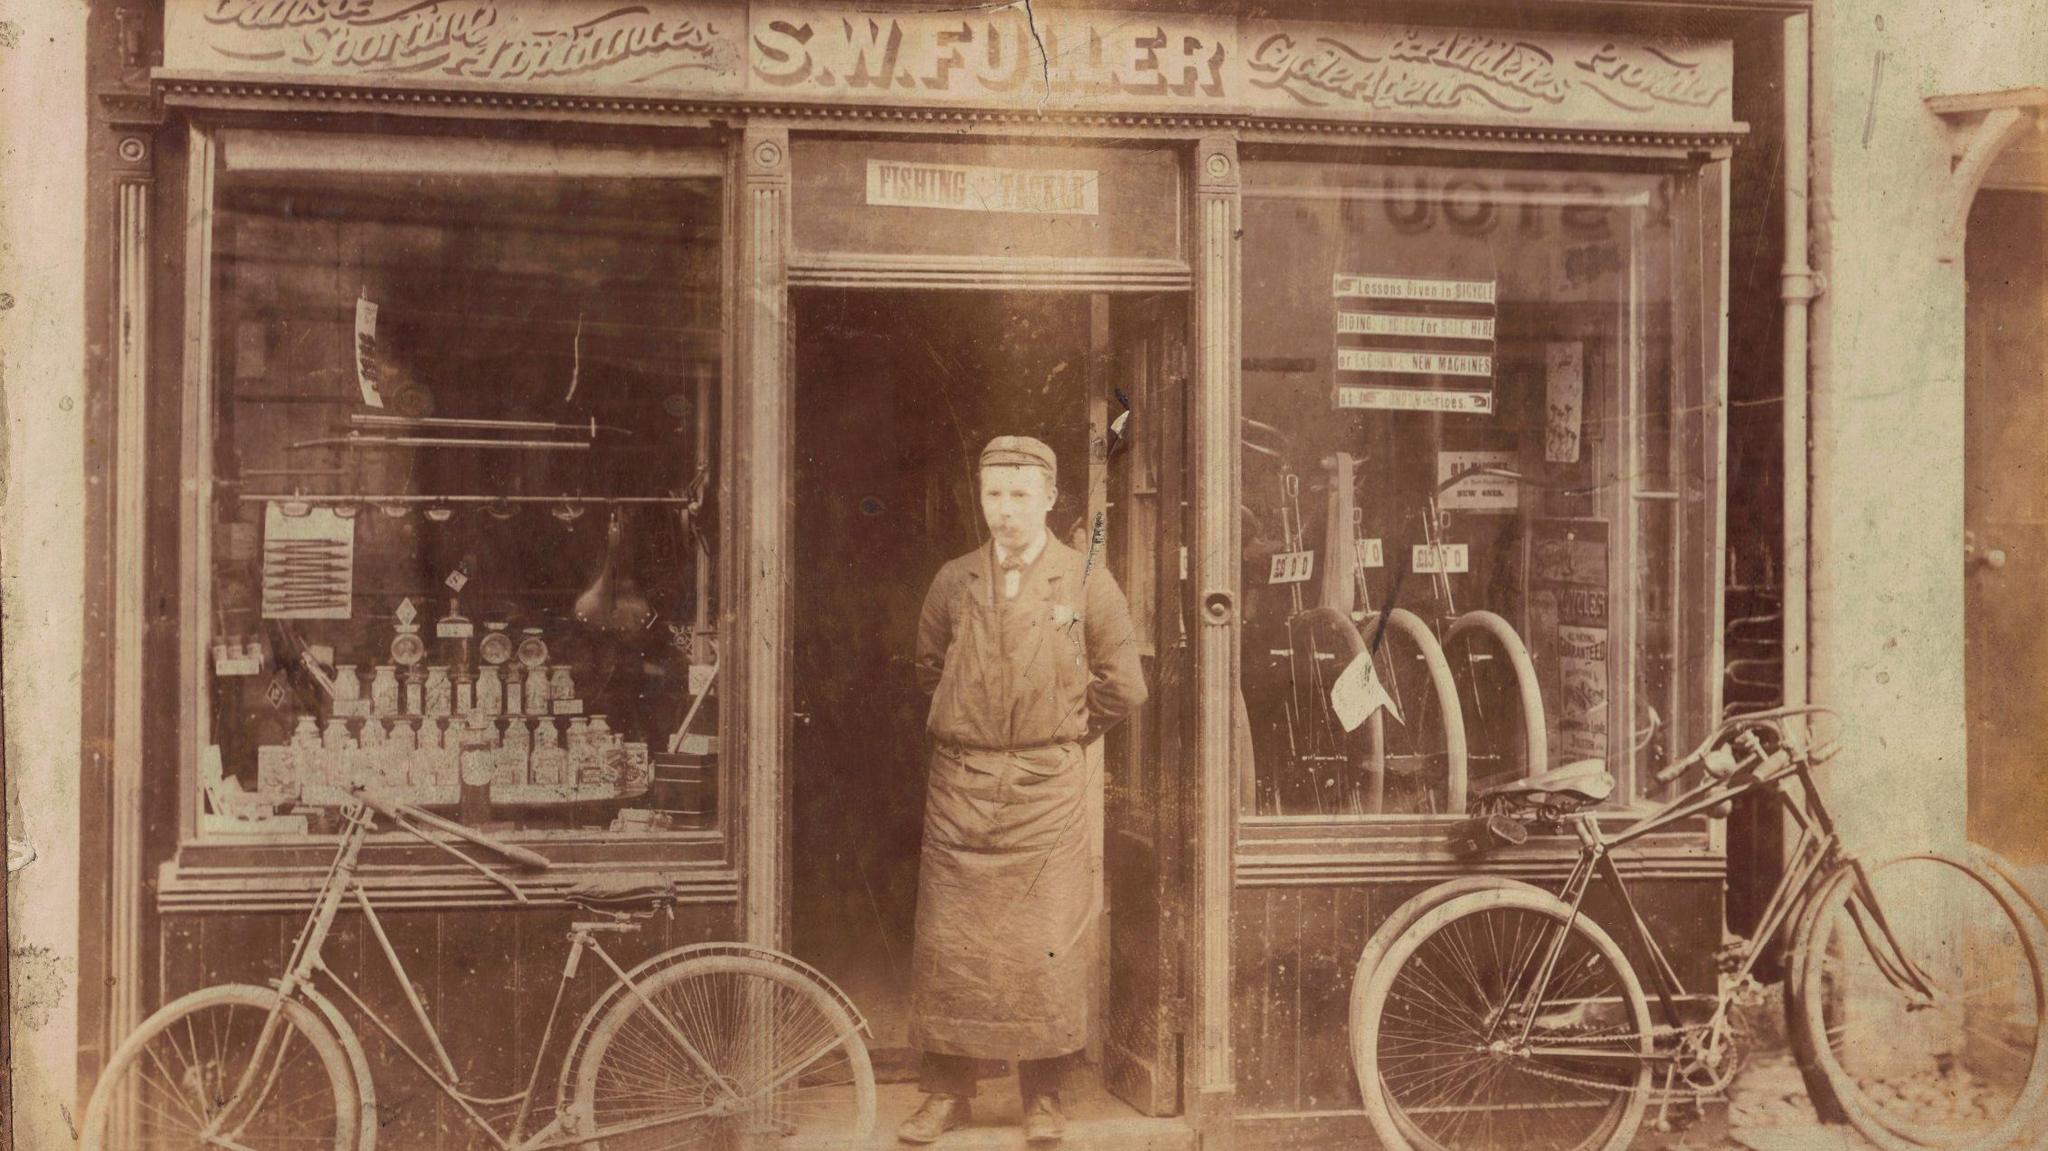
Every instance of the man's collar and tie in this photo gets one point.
(1012, 564)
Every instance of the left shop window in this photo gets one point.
(458, 476)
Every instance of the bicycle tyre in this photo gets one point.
(1441, 690)
(1413, 961)
(1897, 1097)
(154, 1049)
(841, 1110)
(1528, 692)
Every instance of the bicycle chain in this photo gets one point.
(1655, 1094)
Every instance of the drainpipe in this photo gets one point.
(1804, 65)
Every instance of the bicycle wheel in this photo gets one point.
(1437, 1031)
(1424, 753)
(1921, 1000)
(172, 1083)
(1501, 700)
(776, 1057)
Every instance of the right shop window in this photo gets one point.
(1480, 457)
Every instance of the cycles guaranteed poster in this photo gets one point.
(1570, 626)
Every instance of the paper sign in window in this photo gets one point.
(1358, 693)
(1485, 482)
(1564, 401)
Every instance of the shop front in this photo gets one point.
(553, 415)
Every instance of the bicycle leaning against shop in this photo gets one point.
(703, 1045)
(1491, 1013)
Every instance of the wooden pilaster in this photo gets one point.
(1215, 550)
(759, 468)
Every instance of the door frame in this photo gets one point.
(757, 488)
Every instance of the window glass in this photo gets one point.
(460, 462)
(1462, 458)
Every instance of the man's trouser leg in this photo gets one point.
(1036, 1077)
(939, 1074)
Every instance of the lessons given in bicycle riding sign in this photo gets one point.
(1414, 344)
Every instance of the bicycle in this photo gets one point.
(1490, 1012)
(706, 1044)
(1419, 751)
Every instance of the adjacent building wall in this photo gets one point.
(1887, 532)
(42, 537)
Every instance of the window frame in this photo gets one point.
(479, 148)
(1698, 304)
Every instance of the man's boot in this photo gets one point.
(936, 1116)
(1044, 1122)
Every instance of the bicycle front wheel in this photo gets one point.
(173, 1083)
(1921, 1000)
(1455, 1049)
(725, 1051)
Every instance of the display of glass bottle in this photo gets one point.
(347, 688)
(490, 691)
(583, 765)
(549, 764)
(384, 695)
(440, 693)
(513, 751)
(609, 751)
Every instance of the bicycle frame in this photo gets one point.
(306, 963)
(1815, 855)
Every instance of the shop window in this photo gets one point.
(458, 457)
(1478, 479)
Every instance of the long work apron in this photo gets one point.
(1005, 897)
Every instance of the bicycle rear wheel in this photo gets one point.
(172, 1083)
(1921, 999)
(1436, 1031)
(781, 1061)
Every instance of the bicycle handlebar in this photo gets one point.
(1771, 719)
(397, 812)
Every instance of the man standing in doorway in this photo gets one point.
(1027, 648)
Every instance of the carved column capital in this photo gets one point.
(764, 152)
(1216, 168)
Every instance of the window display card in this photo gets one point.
(1367, 554)
(1564, 392)
(1483, 488)
(1440, 559)
(1426, 344)
(308, 564)
(368, 369)
(1292, 567)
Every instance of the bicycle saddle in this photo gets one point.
(1585, 781)
(623, 894)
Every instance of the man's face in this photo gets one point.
(1014, 501)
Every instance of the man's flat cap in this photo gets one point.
(1017, 452)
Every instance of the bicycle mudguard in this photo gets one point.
(359, 1064)
(574, 1053)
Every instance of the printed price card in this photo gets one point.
(1441, 559)
(1292, 567)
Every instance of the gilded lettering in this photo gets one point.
(875, 54)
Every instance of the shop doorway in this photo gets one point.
(896, 393)
(2005, 517)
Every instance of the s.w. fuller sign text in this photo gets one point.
(1004, 56)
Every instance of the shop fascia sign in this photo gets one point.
(1009, 57)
